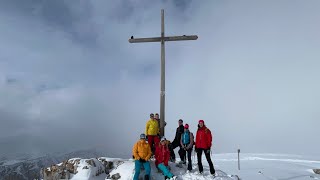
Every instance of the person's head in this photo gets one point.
(201, 123)
(156, 116)
(186, 127)
(151, 116)
(163, 141)
(142, 136)
(180, 122)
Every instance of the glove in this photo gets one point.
(196, 150)
(207, 151)
(142, 160)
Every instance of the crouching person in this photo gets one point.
(162, 156)
(142, 153)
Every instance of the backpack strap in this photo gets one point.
(206, 130)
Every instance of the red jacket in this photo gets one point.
(162, 155)
(204, 138)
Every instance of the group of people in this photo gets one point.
(151, 144)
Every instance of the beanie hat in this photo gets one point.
(186, 126)
(142, 136)
(201, 121)
(181, 120)
(163, 138)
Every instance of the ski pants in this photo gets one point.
(176, 144)
(165, 170)
(153, 141)
(207, 154)
(172, 155)
(137, 168)
(183, 155)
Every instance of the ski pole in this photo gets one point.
(194, 155)
(239, 159)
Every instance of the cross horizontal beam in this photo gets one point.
(159, 39)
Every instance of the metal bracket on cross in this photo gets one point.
(162, 93)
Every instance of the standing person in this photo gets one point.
(156, 116)
(141, 152)
(187, 141)
(176, 141)
(162, 158)
(203, 144)
(152, 131)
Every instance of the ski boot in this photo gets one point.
(146, 177)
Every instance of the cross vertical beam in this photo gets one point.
(162, 84)
(162, 39)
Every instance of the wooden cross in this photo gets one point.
(162, 39)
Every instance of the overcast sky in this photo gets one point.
(69, 79)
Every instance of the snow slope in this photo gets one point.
(127, 172)
(270, 166)
(253, 166)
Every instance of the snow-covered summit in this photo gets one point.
(253, 166)
(112, 168)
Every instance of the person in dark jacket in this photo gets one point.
(176, 142)
(156, 117)
(203, 144)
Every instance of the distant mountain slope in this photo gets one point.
(28, 167)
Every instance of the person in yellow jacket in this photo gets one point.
(141, 152)
(152, 132)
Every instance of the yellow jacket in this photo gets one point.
(152, 127)
(141, 150)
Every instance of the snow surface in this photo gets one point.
(86, 173)
(253, 166)
(270, 166)
(127, 172)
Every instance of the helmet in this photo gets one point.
(142, 136)
(163, 138)
(201, 121)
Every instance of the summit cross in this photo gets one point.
(162, 39)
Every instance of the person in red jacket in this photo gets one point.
(162, 156)
(203, 144)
